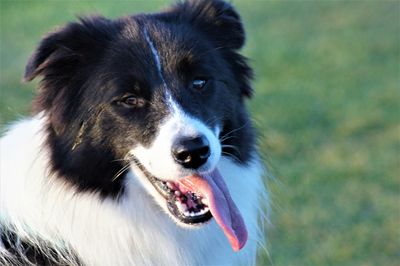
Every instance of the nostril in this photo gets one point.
(191, 152)
(183, 156)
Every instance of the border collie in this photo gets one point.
(140, 150)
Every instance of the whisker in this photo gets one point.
(234, 130)
(120, 160)
(233, 156)
(226, 138)
(232, 147)
(212, 120)
(120, 172)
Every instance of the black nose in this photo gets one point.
(191, 152)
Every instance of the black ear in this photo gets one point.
(217, 19)
(66, 48)
(64, 59)
(220, 22)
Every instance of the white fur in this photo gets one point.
(155, 55)
(132, 231)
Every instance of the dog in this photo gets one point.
(140, 150)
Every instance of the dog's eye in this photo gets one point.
(198, 84)
(131, 101)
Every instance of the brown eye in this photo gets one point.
(131, 101)
(198, 84)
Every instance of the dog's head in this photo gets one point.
(161, 94)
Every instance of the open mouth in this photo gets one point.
(187, 206)
(195, 199)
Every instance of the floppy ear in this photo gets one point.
(64, 59)
(65, 48)
(217, 19)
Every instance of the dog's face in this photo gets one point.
(161, 93)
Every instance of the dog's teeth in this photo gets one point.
(182, 207)
(177, 193)
(204, 201)
(200, 212)
(186, 213)
(192, 214)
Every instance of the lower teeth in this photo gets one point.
(192, 212)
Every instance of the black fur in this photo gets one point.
(43, 256)
(88, 67)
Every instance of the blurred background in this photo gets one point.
(326, 108)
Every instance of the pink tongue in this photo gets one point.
(222, 207)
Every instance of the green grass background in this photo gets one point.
(326, 106)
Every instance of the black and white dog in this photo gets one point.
(141, 151)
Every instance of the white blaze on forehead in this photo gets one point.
(155, 55)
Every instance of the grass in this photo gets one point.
(326, 106)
